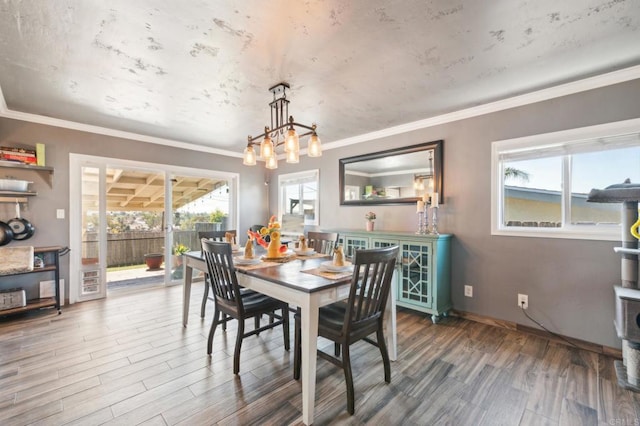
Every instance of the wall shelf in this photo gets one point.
(48, 171)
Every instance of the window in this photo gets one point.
(540, 184)
(298, 200)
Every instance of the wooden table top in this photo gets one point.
(289, 274)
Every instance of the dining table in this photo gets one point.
(300, 281)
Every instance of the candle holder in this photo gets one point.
(423, 222)
(434, 220)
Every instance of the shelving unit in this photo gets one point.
(52, 259)
(48, 171)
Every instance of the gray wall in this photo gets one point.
(569, 282)
(41, 210)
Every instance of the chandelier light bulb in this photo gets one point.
(266, 148)
(292, 142)
(249, 158)
(293, 157)
(272, 162)
(314, 149)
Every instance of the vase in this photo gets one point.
(370, 225)
(273, 249)
(153, 260)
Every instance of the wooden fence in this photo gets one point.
(129, 248)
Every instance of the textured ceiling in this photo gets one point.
(199, 71)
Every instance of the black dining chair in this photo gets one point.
(234, 303)
(347, 322)
(213, 236)
(322, 242)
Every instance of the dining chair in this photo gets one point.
(234, 303)
(322, 242)
(213, 236)
(361, 315)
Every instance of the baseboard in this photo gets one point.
(599, 349)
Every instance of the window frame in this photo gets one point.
(553, 140)
(287, 178)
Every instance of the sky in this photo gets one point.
(591, 170)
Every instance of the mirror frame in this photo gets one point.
(438, 174)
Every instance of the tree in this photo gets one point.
(513, 173)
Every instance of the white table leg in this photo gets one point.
(309, 354)
(186, 293)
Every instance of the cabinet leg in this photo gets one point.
(434, 319)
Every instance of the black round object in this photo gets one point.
(6, 234)
(22, 228)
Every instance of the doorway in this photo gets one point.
(131, 221)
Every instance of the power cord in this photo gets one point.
(559, 336)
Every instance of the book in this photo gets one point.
(40, 154)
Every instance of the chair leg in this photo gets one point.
(256, 323)
(336, 349)
(214, 324)
(224, 322)
(348, 377)
(204, 298)
(236, 354)
(297, 346)
(285, 327)
(385, 355)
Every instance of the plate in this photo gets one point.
(307, 252)
(329, 266)
(245, 261)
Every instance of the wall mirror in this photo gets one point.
(395, 176)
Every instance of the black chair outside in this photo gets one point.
(347, 322)
(322, 242)
(213, 236)
(235, 304)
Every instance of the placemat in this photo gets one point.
(256, 266)
(312, 256)
(328, 275)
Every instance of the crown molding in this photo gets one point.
(578, 86)
(590, 83)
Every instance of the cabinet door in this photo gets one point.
(353, 243)
(415, 274)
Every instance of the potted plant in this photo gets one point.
(178, 250)
(371, 217)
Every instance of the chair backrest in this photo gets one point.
(322, 242)
(370, 285)
(222, 273)
(256, 228)
(216, 235)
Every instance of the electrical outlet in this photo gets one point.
(468, 290)
(523, 301)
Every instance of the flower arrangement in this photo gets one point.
(272, 230)
(371, 216)
(180, 249)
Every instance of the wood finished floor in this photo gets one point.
(127, 360)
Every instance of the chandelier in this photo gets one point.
(281, 133)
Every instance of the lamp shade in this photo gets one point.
(293, 157)
(272, 162)
(292, 142)
(249, 158)
(266, 148)
(314, 149)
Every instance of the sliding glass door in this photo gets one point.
(131, 221)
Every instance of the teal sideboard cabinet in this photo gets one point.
(423, 278)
